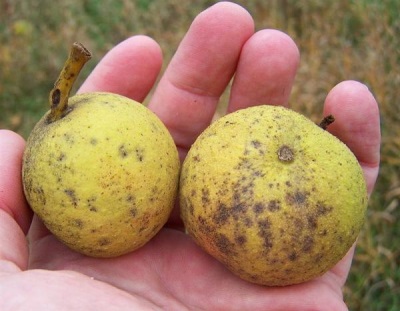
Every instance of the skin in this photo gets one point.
(171, 272)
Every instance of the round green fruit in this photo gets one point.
(102, 173)
(273, 196)
(104, 177)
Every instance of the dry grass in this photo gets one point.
(338, 40)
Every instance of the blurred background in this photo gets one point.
(338, 40)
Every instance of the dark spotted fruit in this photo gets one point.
(104, 177)
(273, 196)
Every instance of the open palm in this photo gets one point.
(171, 272)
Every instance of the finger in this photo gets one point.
(130, 69)
(12, 198)
(357, 124)
(266, 70)
(37, 230)
(15, 215)
(342, 268)
(200, 70)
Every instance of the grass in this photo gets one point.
(338, 40)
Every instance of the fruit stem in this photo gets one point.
(328, 120)
(58, 98)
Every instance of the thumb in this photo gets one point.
(15, 215)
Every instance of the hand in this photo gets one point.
(171, 272)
